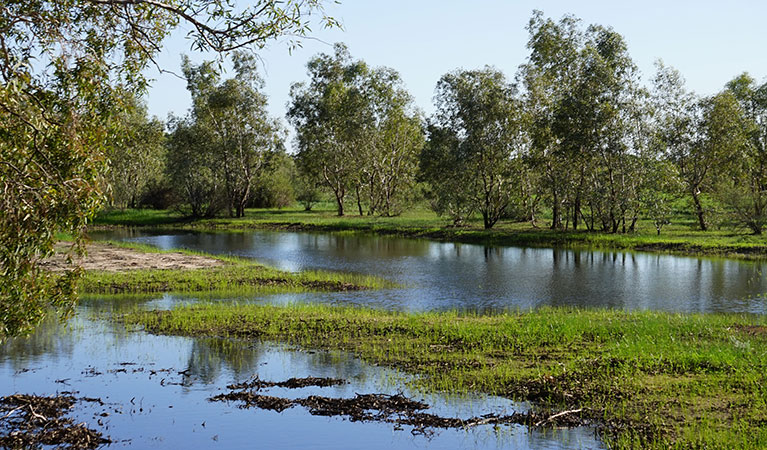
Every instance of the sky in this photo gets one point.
(709, 42)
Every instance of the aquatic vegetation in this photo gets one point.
(648, 379)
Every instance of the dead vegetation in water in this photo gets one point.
(291, 383)
(30, 421)
(395, 409)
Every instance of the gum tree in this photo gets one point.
(479, 109)
(62, 64)
(357, 132)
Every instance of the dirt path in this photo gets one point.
(111, 258)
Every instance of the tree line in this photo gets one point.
(575, 134)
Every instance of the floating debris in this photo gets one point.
(30, 421)
(396, 409)
(291, 383)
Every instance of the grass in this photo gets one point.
(237, 276)
(680, 238)
(650, 379)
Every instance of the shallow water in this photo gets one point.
(155, 389)
(440, 276)
(150, 404)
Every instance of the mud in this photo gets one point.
(110, 258)
(291, 383)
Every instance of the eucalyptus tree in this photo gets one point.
(735, 133)
(137, 156)
(328, 116)
(586, 109)
(441, 167)
(548, 77)
(678, 125)
(394, 141)
(481, 112)
(357, 132)
(600, 124)
(62, 66)
(233, 113)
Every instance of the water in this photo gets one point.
(439, 276)
(155, 388)
(150, 404)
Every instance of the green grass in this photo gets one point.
(680, 238)
(236, 276)
(650, 379)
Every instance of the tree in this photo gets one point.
(479, 109)
(441, 168)
(137, 158)
(233, 112)
(388, 165)
(678, 118)
(548, 77)
(193, 168)
(586, 113)
(735, 132)
(327, 117)
(64, 66)
(357, 132)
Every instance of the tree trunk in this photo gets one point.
(699, 209)
(340, 203)
(556, 220)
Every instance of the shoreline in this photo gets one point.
(580, 240)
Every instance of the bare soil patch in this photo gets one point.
(111, 258)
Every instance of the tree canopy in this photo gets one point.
(65, 66)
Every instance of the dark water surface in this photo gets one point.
(440, 276)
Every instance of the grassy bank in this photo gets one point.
(679, 238)
(235, 276)
(648, 379)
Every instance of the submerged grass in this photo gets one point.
(681, 237)
(235, 276)
(649, 379)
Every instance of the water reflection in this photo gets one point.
(462, 276)
(155, 390)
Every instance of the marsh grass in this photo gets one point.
(238, 276)
(649, 379)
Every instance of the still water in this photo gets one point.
(438, 276)
(155, 389)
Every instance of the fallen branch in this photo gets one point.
(560, 414)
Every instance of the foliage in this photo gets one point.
(137, 157)
(221, 148)
(274, 189)
(357, 132)
(586, 122)
(65, 66)
(743, 186)
(480, 113)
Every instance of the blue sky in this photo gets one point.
(708, 41)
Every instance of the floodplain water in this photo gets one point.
(155, 389)
(441, 276)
